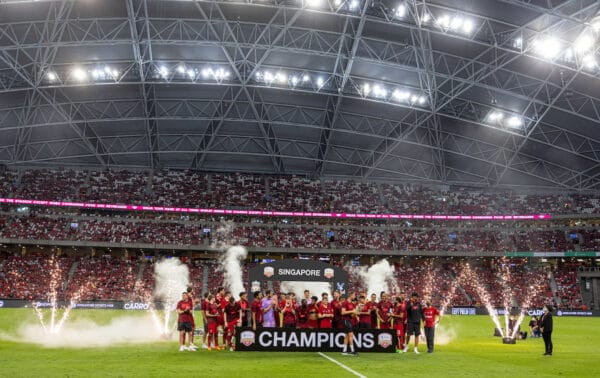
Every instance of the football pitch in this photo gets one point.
(470, 351)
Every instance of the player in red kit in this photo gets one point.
(245, 307)
(384, 312)
(257, 313)
(399, 317)
(325, 313)
(313, 313)
(302, 314)
(184, 321)
(221, 301)
(192, 302)
(212, 314)
(348, 313)
(203, 307)
(432, 318)
(288, 310)
(364, 313)
(233, 318)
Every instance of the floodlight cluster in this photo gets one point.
(447, 22)
(186, 72)
(81, 74)
(497, 117)
(292, 80)
(398, 95)
(580, 52)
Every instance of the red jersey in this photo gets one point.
(313, 318)
(385, 309)
(430, 313)
(302, 315)
(232, 311)
(244, 306)
(337, 310)
(288, 310)
(185, 317)
(366, 318)
(326, 310)
(348, 306)
(399, 309)
(212, 309)
(257, 311)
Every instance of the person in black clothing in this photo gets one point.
(546, 327)
(414, 314)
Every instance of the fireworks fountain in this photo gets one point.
(171, 279)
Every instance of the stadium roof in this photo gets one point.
(481, 92)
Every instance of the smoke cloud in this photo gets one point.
(171, 279)
(377, 277)
(85, 333)
(298, 287)
(232, 269)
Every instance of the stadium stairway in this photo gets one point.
(71, 273)
(205, 279)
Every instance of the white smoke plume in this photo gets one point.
(221, 238)
(298, 287)
(444, 335)
(377, 277)
(232, 269)
(86, 333)
(171, 279)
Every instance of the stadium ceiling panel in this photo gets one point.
(488, 93)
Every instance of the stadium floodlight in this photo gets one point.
(181, 69)
(79, 74)
(366, 89)
(548, 47)
(313, 3)
(268, 77)
(206, 72)
(400, 11)
(414, 98)
(518, 43)
(115, 74)
(515, 122)
(353, 5)
(495, 116)
(320, 82)
(422, 100)
(568, 54)
(426, 17)
(305, 78)
(163, 72)
(337, 3)
(191, 73)
(443, 21)
(51, 76)
(294, 80)
(589, 61)
(468, 26)
(97, 74)
(401, 95)
(281, 77)
(379, 91)
(456, 22)
(583, 43)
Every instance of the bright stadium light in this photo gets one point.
(281, 77)
(443, 21)
(181, 69)
(426, 17)
(305, 78)
(320, 82)
(515, 122)
(495, 116)
(583, 43)
(379, 91)
(422, 100)
(79, 74)
(401, 95)
(337, 3)
(414, 98)
(456, 22)
(191, 73)
(353, 5)
(97, 74)
(589, 61)
(366, 89)
(268, 77)
(468, 26)
(294, 80)
(51, 76)
(313, 3)
(163, 72)
(518, 43)
(401, 11)
(548, 47)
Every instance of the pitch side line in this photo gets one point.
(342, 365)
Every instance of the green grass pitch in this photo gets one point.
(474, 352)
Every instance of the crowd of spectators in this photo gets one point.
(248, 191)
(36, 276)
(121, 229)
